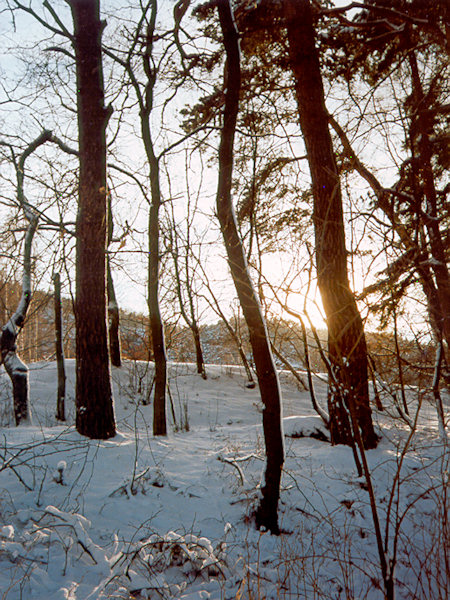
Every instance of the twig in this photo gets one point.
(235, 465)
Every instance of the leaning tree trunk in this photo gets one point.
(346, 341)
(59, 351)
(94, 402)
(267, 512)
(15, 367)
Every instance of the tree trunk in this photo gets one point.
(114, 322)
(198, 350)
(346, 342)
(113, 307)
(59, 350)
(193, 324)
(94, 402)
(156, 323)
(267, 511)
(15, 367)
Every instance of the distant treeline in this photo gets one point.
(36, 341)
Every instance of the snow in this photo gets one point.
(144, 517)
(297, 427)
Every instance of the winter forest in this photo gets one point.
(224, 299)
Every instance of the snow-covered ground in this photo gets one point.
(140, 517)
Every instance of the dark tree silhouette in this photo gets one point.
(348, 387)
(59, 350)
(113, 307)
(267, 512)
(94, 403)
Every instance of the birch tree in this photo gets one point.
(15, 367)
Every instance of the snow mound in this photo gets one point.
(299, 427)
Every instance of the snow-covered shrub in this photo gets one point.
(166, 564)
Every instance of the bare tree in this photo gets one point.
(179, 245)
(143, 39)
(215, 306)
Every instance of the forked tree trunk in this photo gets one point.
(94, 402)
(143, 45)
(267, 511)
(348, 388)
(59, 351)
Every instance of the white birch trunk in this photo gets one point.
(15, 367)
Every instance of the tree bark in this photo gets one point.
(59, 351)
(94, 401)
(267, 512)
(346, 342)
